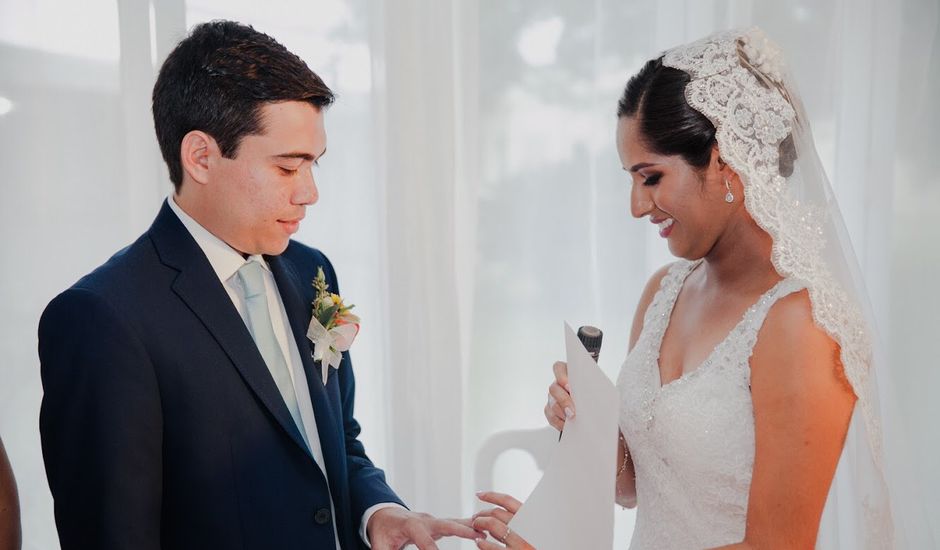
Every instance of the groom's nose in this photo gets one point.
(306, 193)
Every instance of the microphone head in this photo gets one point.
(591, 338)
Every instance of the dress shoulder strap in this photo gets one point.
(754, 318)
(665, 298)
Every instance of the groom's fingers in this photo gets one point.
(423, 540)
(463, 521)
(453, 528)
(500, 499)
(419, 533)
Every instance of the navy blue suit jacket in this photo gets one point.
(163, 428)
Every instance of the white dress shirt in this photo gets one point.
(226, 261)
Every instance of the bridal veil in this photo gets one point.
(739, 80)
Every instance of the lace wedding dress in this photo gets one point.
(692, 440)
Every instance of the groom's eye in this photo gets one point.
(287, 171)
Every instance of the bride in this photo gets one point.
(749, 385)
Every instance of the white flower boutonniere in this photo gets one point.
(332, 328)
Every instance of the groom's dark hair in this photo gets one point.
(217, 79)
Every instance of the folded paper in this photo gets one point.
(573, 504)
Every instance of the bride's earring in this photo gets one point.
(729, 198)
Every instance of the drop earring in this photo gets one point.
(729, 198)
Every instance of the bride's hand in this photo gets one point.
(560, 407)
(495, 522)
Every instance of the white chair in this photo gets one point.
(538, 443)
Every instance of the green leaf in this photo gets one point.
(326, 316)
(319, 283)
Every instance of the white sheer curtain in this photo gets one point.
(471, 199)
(80, 177)
(555, 236)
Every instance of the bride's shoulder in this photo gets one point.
(790, 320)
(791, 349)
(649, 291)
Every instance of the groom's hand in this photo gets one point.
(393, 528)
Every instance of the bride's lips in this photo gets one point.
(665, 226)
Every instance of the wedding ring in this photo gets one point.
(506, 536)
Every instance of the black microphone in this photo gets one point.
(591, 338)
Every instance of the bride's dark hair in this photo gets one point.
(655, 96)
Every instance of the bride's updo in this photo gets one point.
(655, 97)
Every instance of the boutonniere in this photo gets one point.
(332, 328)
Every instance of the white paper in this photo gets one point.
(573, 504)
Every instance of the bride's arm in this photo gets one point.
(802, 408)
(625, 482)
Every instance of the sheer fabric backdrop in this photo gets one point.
(471, 198)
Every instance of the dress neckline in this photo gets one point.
(670, 305)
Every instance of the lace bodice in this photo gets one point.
(692, 440)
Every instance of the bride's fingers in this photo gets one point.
(561, 373)
(498, 513)
(501, 532)
(500, 499)
(492, 526)
(484, 544)
(553, 420)
(563, 402)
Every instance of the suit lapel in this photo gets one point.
(299, 313)
(198, 286)
(329, 427)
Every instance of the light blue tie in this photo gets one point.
(259, 323)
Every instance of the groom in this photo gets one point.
(182, 406)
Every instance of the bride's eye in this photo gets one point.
(652, 180)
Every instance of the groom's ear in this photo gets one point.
(195, 151)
